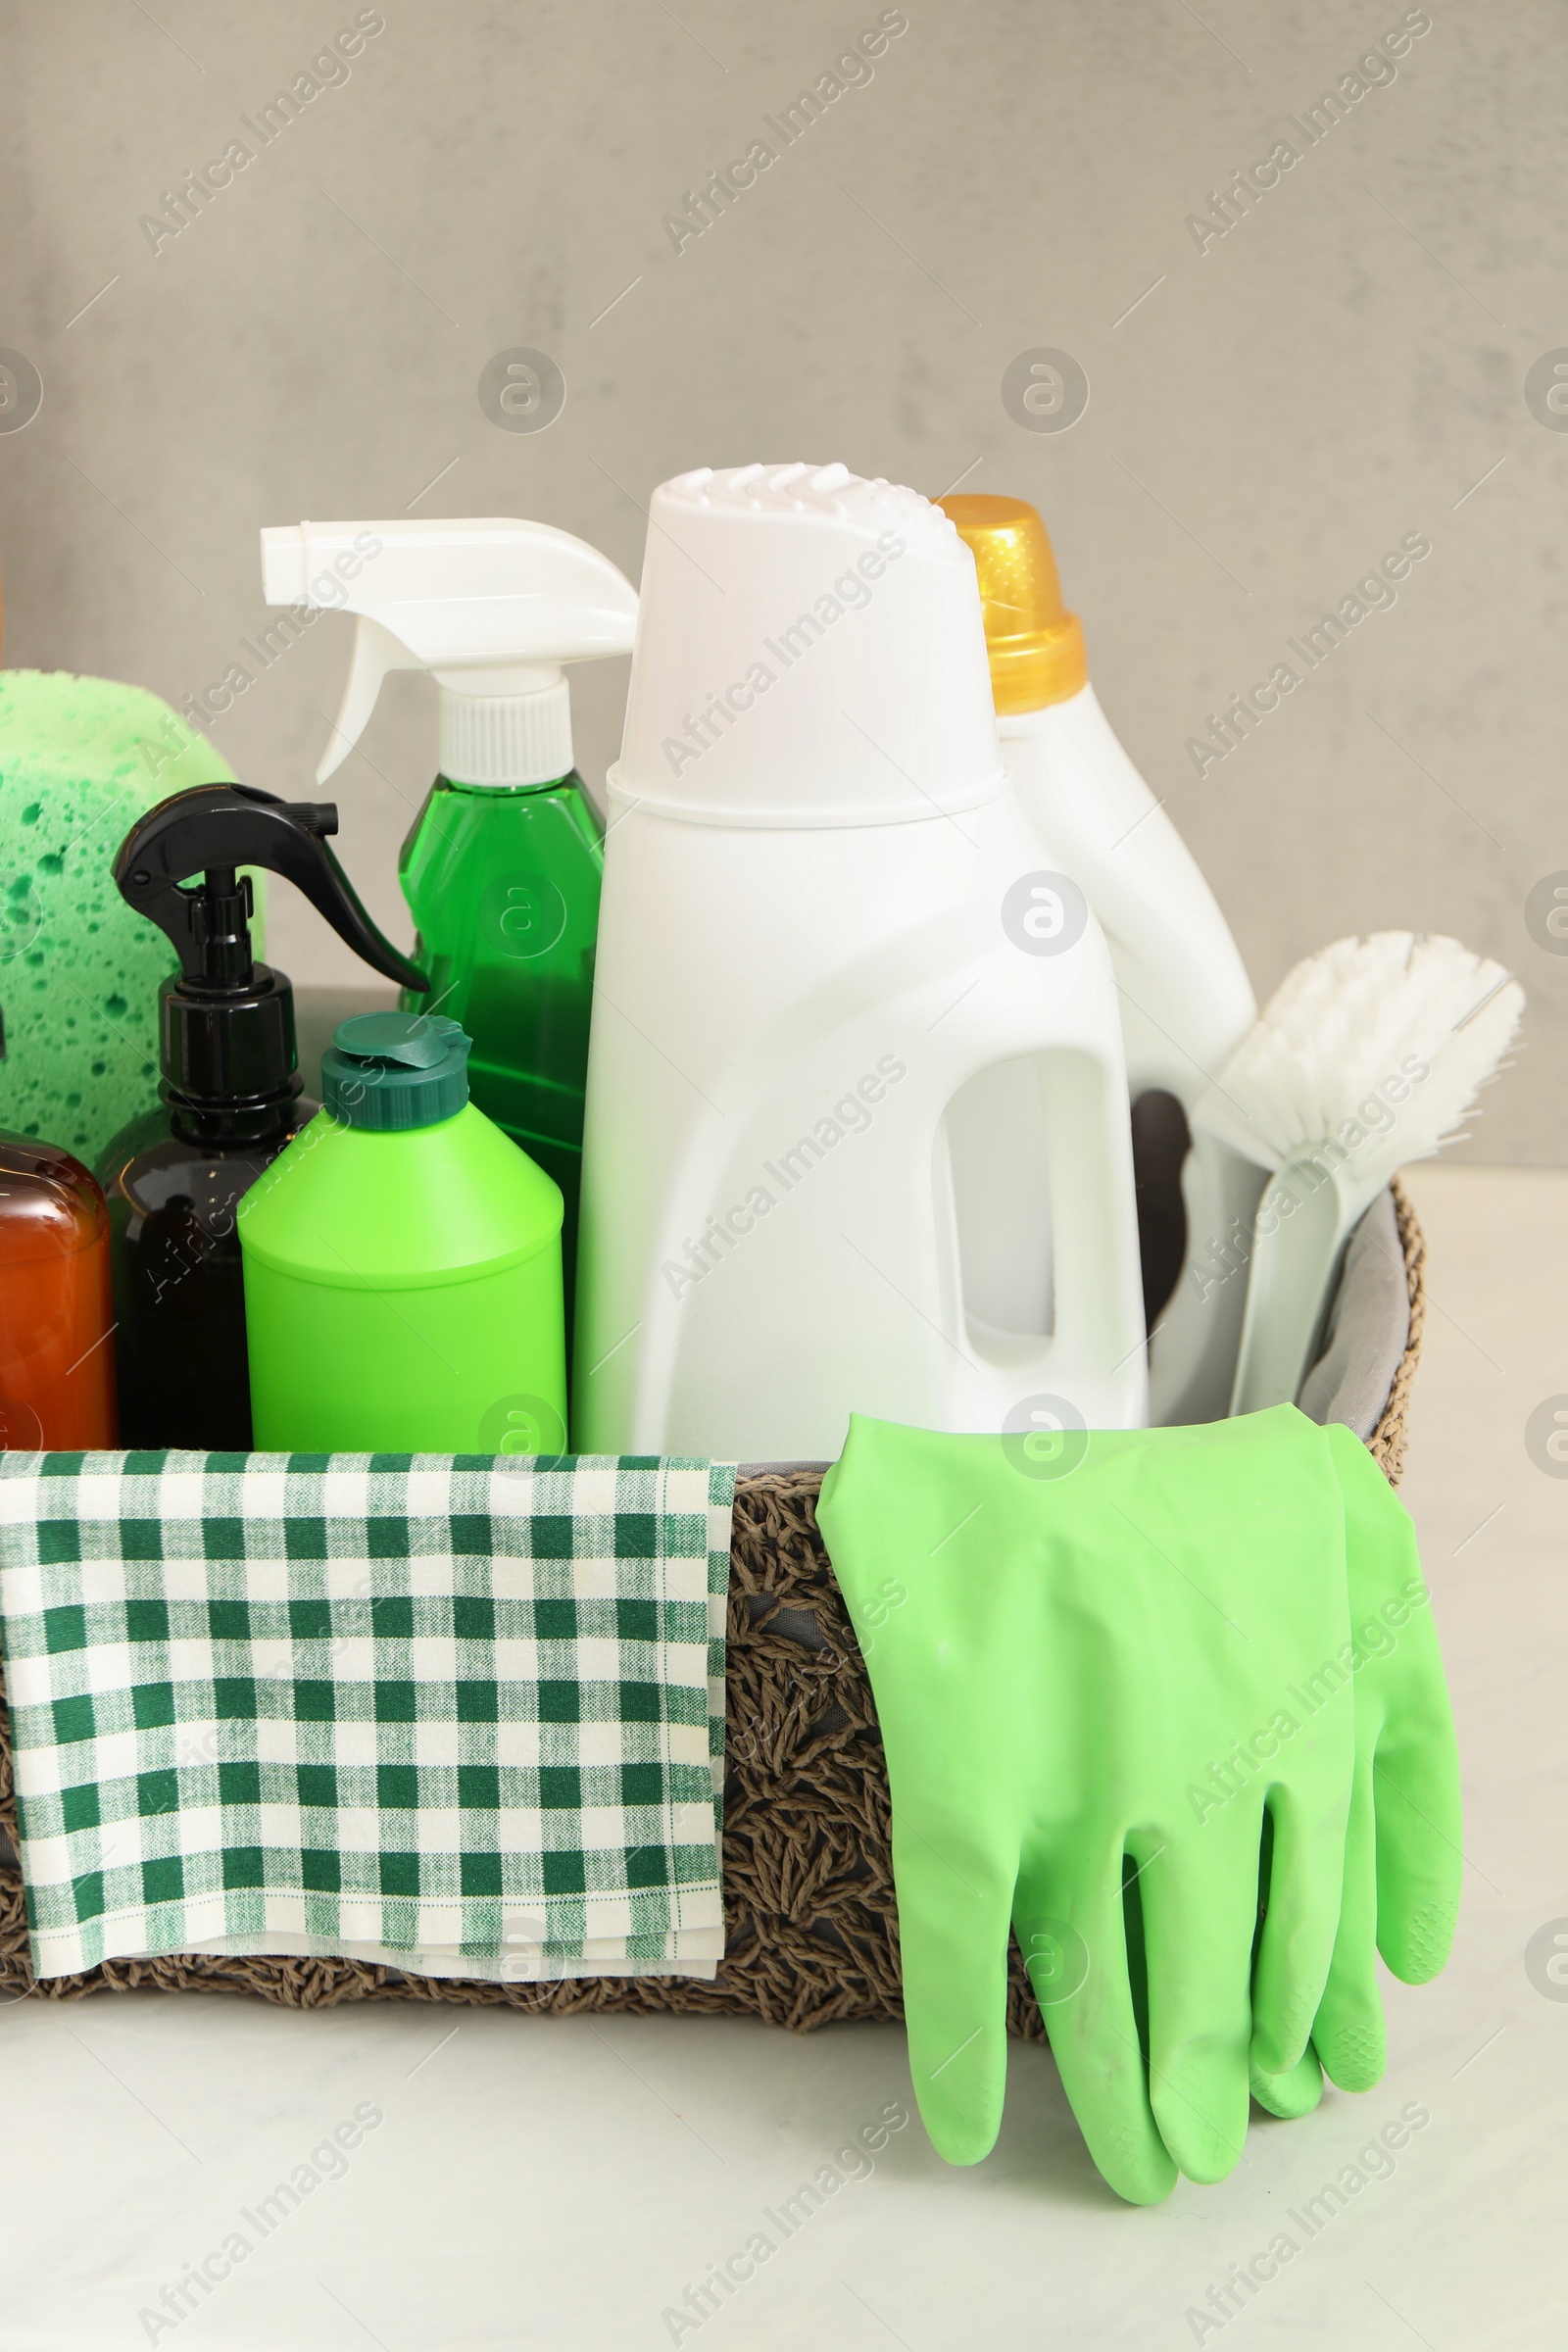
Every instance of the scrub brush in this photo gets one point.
(1367, 1057)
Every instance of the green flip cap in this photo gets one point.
(396, 1070)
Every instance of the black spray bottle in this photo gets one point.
(232, 1096)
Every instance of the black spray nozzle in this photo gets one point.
(226, 1037)
(214, 829)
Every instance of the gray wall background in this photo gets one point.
(1347, 365)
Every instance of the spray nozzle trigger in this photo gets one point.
(490, 606)
(375, 652)
(212, 830)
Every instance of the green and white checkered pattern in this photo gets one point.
(462, 1714)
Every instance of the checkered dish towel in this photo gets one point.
(461, 1715)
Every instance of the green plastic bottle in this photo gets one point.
(401, 1264)
(503, 882)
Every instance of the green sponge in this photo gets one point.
(80, 759)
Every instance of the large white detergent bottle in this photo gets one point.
(823, 914)
(1185, 1001)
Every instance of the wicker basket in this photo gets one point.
(813, 1930)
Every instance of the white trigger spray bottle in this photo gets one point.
(825, 913)
(502, 867)
(1185, 1001)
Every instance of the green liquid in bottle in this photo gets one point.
(504, 885)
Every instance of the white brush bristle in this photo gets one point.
(1339, 1052)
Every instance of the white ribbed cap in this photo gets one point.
(810, 652)
(498, 739)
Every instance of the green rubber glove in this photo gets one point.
(1403, 1858)
(1098, 1666)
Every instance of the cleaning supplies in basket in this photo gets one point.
(80, 759)
(1171, 1709)
(1367, 1057)
(232, 1097)
(502, 865)
(464, 1719)
(57, 1360)
(403, 1263)
(1186, 1002)
(824, 915)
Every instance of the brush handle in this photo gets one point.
(1299, 1238)
(1192, 1347)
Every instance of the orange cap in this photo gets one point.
(1035, 644)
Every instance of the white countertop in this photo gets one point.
(560, 2183)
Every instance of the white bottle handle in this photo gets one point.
(1097, 1279)
(1094, 1356)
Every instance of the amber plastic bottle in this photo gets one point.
(57, 1362)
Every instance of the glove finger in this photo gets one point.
(1419, 1863)
(1198, 1927)
(1301, 1879)
(1416, 1783)
(1292, 2094)
(953, 1939)
(1075, 1948)
(1348, 2034)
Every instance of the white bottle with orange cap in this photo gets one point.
(824, 913)
(1185, 998)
